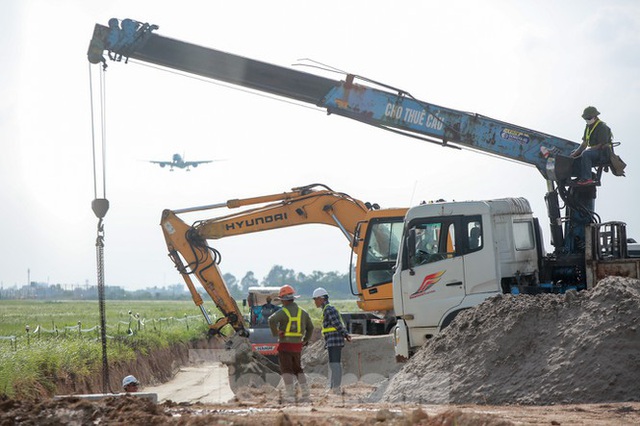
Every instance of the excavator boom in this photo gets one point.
(295, 208)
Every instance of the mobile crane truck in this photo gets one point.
(509, 237)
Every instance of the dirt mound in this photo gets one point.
(75, 411)
(580, 347)
(132, 410)
(247, 367)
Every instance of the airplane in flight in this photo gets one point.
(180, 163)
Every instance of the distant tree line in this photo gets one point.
(336, 284)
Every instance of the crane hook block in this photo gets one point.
(100, 206)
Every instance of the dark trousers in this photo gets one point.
(335, 366)
(591, 158)
(290, 367)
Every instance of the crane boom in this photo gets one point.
(392, 109)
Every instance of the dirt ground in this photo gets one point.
(571, 359)
(261, 406)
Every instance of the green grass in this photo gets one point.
(15, 315)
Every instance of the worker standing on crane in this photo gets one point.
(293, 327)
(334, 335)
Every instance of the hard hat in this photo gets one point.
(129, 380)
(319, 292)
(590, 112)
(286, 293)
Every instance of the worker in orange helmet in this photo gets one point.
(293, 326)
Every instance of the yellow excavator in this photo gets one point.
(373, 234)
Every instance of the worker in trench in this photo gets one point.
(334, 334)
(130, 384)
(293, 326)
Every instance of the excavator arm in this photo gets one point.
(311, 204)
(302, 205)
(192, 256)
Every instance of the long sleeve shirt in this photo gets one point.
(331, 319)
(279, 321)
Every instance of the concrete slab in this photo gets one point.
(203, 383)
(96, 396)
(370, 357)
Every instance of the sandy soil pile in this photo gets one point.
(547, 349)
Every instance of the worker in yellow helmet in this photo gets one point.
(293, 327)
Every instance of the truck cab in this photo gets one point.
(455, 255)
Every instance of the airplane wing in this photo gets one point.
(161, 163)
(195, 163)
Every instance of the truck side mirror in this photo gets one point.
(411, 244)
(411, 250)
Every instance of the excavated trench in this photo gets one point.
(157, 367)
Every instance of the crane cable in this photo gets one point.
(100, 206)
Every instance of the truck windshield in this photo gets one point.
(383, 241)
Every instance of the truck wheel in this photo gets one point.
(390, 326)
(450, 318)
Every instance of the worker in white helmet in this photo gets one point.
(334, 334)
(130, 384)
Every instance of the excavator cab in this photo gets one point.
(260, 337)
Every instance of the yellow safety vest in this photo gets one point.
(326, 330)
(588, 131)
(293, 326)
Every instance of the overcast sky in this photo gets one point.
(534, 64)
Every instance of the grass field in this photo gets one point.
(63, 336)
(15, 315)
